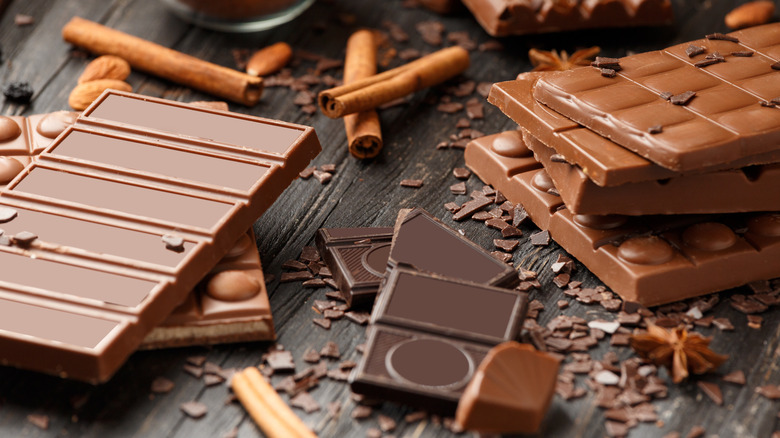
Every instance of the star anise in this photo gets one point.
(554, 61)
(679, 351)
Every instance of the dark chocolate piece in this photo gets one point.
(424, 243)
(428, 334)
(132, 169)
(519, 17)
(721, 125)
(357, 257)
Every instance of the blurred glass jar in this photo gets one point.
(238, 15)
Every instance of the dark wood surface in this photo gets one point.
(360, 194)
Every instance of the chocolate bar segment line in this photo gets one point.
(723, 123)
(603, 161)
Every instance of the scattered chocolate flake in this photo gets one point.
(693, 50)
(775, 66)
(309, 109)
(212, 379)
(333, 314)
(413, 183)
(754, 321)
(232, 433)
(386, 423)
(314, 282)
(322, 322)
(706, 62)
(666, 95)
(330, 350)
(361, 412)
(24, 238)
(358, 317)
(541, 238)
(723, 324)
(305, 401)
(23, 20)
(7, 214)
(328, 168)
(396, 32)
(161, 385)
(211, 368)
(716, 56)
(197, 361)
(771, 392)
(373, 432)
(737, 377)
(722, 37)
(458, 189)
(335, 294)
(323, 177)
(683, 98)
(338, 375)
(431, 32)
(712, 391)
(462, 89)
(608, 72)
(502, 256)
(304, 97)
(449, 107)
(496, 223)
(463, 123)
(295, 276)
(604, 62)
(452, 207)
(462, 39)
(743, 53)
(461, 173)
(307, 172)
(475, 109)
(20, 92)
(280, 360)
(415, 416)
(470, 207)
(194, 409)
(490, 46)
(334, 408)
(506, 245)
(657, 129)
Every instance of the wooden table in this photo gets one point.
(360, 194)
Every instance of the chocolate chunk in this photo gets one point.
(656, 129)
(305, 401)
(413, 183)
(294, 265)
(212, 379)
(24, 238)
(330, 350)
(431, 32)
(280, 360)
(506, 245)
(458, 189)
(358, 317)
(737, 377)
(771, 392)
(683, 98)
(7, 214)
(470, 207)
(39, 420)
(541, 238)
(604, 62)
(328, 168)
(361, 412)
(712, 391)
(323, 177)
(693, 50)
(307, 172)
(295, 276)
(311, 355)
(23, 20)
(173, 242)
(461, 173)
(608, 72)
(161, 385)
(743, 53)
(722, 37)
(705, 63)
(194, 409)
(322, 322)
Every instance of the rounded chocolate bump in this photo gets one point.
(9, 129)
(649, 250)
(52, 125)
(765, 225)
(542, 181)
(510, 144)
(375, 260)
(233, 285)
(600, 222)
(9, 168)
(709, 236)
(429, 362)
(240, 247)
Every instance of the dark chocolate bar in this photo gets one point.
(606, 163)
(429, 333)
(357, 258)
(675, 111)
(652, 260)
(229, 305)
(519, 17)
(424, 243)
(121, 216)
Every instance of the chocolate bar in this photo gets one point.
(691, 106)
(229, 305)
(424, 243)
(357, 258)
(729, 191)
(429, 333)
(652, 260)
(606, 163)
(520, 17)
(121, 216)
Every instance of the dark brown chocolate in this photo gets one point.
(519, 17)
(428, 334)
(424, 243)
(357, 258)
(100, 198)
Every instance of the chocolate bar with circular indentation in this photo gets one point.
(676, 112)
(520, 17)
(648, 259)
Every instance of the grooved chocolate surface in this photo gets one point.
(723, 123)
(518, 17)
(100, 271)
(646, 258)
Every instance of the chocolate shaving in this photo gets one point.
(461, 173)
(541, 238)
(657, 129)
(295, 276)
(683, 98)
(693, 50)
(194, 409)
(722, 37)
(604, 62)
(706, 62)
(743, 53)
(712, 391)
(666, 95)
(413, 183)
(608, 72)
(280, 360)
(38, 420)
(322, 322)
(305, 401)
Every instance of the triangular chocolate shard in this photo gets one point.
(424, 243)
(510, 392)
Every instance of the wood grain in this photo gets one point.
(362, 193)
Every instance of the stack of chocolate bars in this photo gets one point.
(442, 303)
(112, 224)
(658, 171)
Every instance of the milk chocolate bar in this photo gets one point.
(357, 258)
(652, 260)
(728, 191)
(687, 107)
(424, 243)
(606, 163)
(429, 333)
(519, 17)
(121, 216)
(229, 305)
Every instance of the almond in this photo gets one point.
(106, 67)
(750, 14)
(84, 94)
(268, 60)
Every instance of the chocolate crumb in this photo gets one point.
(194, 409)
(38, 420)
(743, 53)
(328, 168)
(683, 98)
(24, 238)
(604, 62)
(161, 385)
(771, 392)
(722, 37)
(358, 317)
(361, 412)
(334, 409)
(197, 361)
(295, 276)
(212, 379)
(657, 129)
(666, 95)
(305, 401)
(280, 360)
(608, 72)
(322, 322)
(23, 20)
(323, 177)
(311, 356)
(541, 238)
(490, 45)
(330, 350)
(506, 245)
(461, 173)
(386, 423)
(173, 242)
(458, 189)
(431, 32)
(706, 62)
(294, 265)
(712, 391)
(737, 377)
(449, 107)
(693, 50)
(413, 183)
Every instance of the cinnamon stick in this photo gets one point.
(376, 90)
(164, 62)
(264, 405)
(364, 135)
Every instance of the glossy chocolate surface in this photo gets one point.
(103, 246)
(723, 123)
